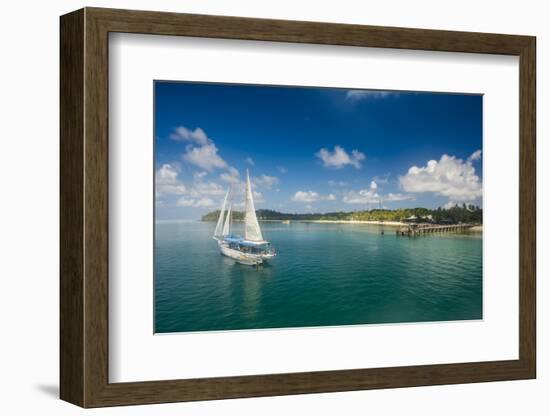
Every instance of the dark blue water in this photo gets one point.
(324, 274)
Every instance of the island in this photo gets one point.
(454, 215)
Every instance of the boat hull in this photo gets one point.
(239, 256)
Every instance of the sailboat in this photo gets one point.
(251, 248)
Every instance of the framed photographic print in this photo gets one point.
(261, 207)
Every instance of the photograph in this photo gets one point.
(279, 206)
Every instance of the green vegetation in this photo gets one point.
(454, 215)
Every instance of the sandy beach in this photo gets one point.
(391, 223)
(477, 228)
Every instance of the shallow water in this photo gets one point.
(324, 274)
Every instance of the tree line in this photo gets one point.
(457, 214)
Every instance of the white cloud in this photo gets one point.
(266, 181)
(183, 202)
(199, 175)
(205, 157)
(201, 151)
(183, 134)
(166, 174)
(391, 197)
(200, 189)
(232, 176)
(197, 203)
(340, 158)
(250, 161)
(166, 181)
(364, 196)
(204, 203)
(258, 197)
(282, 169)
(305, 196)
(449, 177)
(199, 193)
(311, 196)
(475, 156)
(371, 196)
(357, 95)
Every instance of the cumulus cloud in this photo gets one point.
(197, 193)
(391, 197)
(258, 197)
(305, 196)
(340, 158)
(450, 177)
(231, 176)
(204, 202)
(475, 156)
(166, 181)
(199, 175)
(166, 174)
(201, 150)
(209, 188)
(184, 202)
(363, 196)
(183, 134)
(206, 157)
(311, 196)
(197, 203)
(371, 196)
(266, 181)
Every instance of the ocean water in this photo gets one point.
(324, 274)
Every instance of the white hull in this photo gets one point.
(239, 256)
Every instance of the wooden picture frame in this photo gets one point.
(84, 207)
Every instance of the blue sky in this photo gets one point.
(314, 149)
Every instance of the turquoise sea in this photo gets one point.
(324, 274)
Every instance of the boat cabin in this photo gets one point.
(246, 246)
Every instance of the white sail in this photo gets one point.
(252, 231)
(227, 223)
(219, 224)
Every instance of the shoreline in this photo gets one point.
(475, 228)
(370, 222)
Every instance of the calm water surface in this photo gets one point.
(324, 274)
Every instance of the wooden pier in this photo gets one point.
(421, 229)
